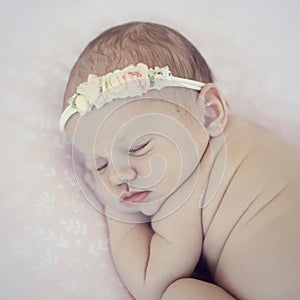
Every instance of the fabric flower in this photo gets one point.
(81, 103)
(115, 86)
(90, 89)
(131, 81)
(137, 79)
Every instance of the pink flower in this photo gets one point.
(136, 78)
(114, 85)
(131, 81)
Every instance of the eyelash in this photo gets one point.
(140, 147)
(102, 167)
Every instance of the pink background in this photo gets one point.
(53, 242)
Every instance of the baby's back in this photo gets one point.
(251, 226)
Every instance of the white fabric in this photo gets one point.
(66, 115)
(53, 243)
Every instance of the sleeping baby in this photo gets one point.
(181, 180)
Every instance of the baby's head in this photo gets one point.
(152, 44)
(140, 150)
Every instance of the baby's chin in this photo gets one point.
(147, 208)
(151, 208)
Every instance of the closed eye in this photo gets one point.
(102, 167)
(140, 149)
(96, 164)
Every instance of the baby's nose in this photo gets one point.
(122, 175)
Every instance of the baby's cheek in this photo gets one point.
(141, 164)
(99, 178)
(102, 186)
(92, 179)
(89, 179)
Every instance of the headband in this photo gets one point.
(128, 82)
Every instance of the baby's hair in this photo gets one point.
(138, 42)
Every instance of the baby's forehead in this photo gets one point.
(126, 116)
(152, 100)
(141, 112)
(114, 115)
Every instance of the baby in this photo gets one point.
(178, 177)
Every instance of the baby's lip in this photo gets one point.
(135, 197)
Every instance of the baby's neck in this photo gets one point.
(213, 165)
(228, 152)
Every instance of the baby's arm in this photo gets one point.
(150, 256)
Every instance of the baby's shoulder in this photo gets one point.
(262, 145)
(248, 133)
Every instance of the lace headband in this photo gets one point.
(129, 82)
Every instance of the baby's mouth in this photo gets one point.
(135, 197)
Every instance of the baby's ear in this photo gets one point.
(215, 118)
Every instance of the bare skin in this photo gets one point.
(251, 239)
(248, 233)
(243, 217)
